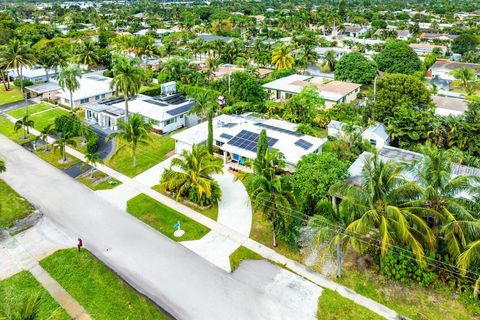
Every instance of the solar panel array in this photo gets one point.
(226, 136)
(248, 140)
(230, 125)
(181, 109)
(290, 132)
(303, 144)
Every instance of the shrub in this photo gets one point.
(92, 141)
(26, 83)
(67, 123)
(404, 268)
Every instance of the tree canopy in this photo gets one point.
(398, 57)
(355, 67)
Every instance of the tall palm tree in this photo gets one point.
(61, 143)
(46, 61)
(59, 58)
(18, 56)
(87, 54)
(211, 65)
(447, 198)
(381, 211)
(127, 78)
(329, 60)
(24, 123)
(274, 199)
(68, 79)
(282, 57)
(92, 159)
(205, 106)
(46, 131)
(307, 56)
(193, 179)
(134, 132)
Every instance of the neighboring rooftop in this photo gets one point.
(449, 105)
(43, 87)
(453, 65)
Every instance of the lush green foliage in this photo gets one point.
(398, 57)
(355, 67)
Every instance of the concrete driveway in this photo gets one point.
(178, 280)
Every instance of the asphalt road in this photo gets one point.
(182, 283)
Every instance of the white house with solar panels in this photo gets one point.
(236, 137)
(167, 112)
(93, 87)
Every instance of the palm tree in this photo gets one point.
(205, 106)
(469, 257)
(447, 199)
(63, 140)
(18, 55)
(68, 79)
(87, 54)
(282, 57)
(274, 199)
(381, 211)
(134, 132)
(46, 131)
(28, 310)
(127, 78)
(24, 123)
(210, 66)
(307, 56)
(329, 60)
(46, 61)
(193, 179)
(59, 58)
(92, 159)
(465, 75)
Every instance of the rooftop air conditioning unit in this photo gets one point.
(168, 88)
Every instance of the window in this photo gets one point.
(102, 96)
(218, 143)
(373, 142)
(66, 100)
(82, 101)
(170, 121)
(97, 97)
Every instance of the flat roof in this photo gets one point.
(91, 85)
(328, 89)
(44, 87)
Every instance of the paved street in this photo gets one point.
(183, 283)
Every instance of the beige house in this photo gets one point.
(332, 91)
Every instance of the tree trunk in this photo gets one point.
(46, 73)
(339, 259)
(210, 132)
(274, 236)
(64, 154)
(134, 157)
(125, 96)
(71, 101)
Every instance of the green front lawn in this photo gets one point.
(147, 155)
(41, 120)
(32, 109)
(14, 291)
(6, 128)
(163, 218)
(242, 253)
(211, 212)
(12, 206)
(332, 306)
(101, 181)
(100, 291)
(13, 95)
(55, 158)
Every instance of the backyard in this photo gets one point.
(163, 218)
(12, 206)
(18, 288)
(41, 120)
(154, 152)
(10, 96)
(100, 291)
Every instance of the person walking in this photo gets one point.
(79, 244)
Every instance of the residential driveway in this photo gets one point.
(119, 195)
(184, 284)
(151, 177)
(15, 105)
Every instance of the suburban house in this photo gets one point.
(424, 48)
(437, 36)
(389, 154)
(33, 74)
(45, 90)
(401, 34)
(332, 92)
(93, 87)
(210, 37)
(377, 135)
(236, 137)
(442, 69)
(159, 32)
(226, 69)
(354, 31)
(167, 112)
